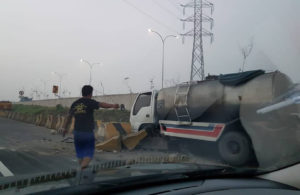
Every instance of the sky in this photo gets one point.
(38, 38)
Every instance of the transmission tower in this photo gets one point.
(197, 66)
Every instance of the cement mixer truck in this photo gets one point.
(225, 110)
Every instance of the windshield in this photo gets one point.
(103, 85)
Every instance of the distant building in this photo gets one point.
(25, 99)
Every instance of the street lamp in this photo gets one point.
(126, 79)
(91, 67)
(60, 76)
(101, 84)
(163, 40)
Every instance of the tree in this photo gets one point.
(173, 81)
(246, 51)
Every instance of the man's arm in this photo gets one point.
(106, 105)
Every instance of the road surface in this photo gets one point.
(29, 149)
(26, 149)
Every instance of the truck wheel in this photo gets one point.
(149, 129)
(235, 148)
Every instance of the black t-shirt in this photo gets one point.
(83, 110)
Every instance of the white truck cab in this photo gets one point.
(143, 111)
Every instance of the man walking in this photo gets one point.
(83, 111)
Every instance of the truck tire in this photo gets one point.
(149, 129)
(235, 148)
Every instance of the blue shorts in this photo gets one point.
(84, 144)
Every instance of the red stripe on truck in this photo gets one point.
(215, 133)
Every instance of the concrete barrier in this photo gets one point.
(100, 132)
(108, 132)
(3, 114)
(54, 122)
(71, 127)
(60, 123)
(19, 116)
(10, 115)
(115, 129)
(49, 121)
(112, 135)
(32, 119)
(43, 120)
(15, 116)
(133, 139)
(26, 118)
(22, 117)
(110, 145)
(38, 119)
(63, 118)
(29, 118)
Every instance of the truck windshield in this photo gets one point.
(91, 84)
(143, 100)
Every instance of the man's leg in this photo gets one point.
(85, 162)
(88, 151)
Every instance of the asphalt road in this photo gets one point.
(26, 149)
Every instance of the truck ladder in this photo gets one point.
(181, 102)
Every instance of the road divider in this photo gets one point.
(71, 127)
(3, 114)
(110, 136)
(133, 139)
(10, 115)
(58, 123)
(49, 121)
(43, 121)
(111, 145)
(38, 119)
(100, 130)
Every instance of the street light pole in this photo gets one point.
(163, 40)
(91, 65)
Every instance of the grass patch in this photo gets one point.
(102, 114)
(35, 110)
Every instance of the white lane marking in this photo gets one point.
(5, 171)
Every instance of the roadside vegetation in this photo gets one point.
(102, 114)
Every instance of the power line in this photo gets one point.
(149, 16)
(164, 8)
(174, 4)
